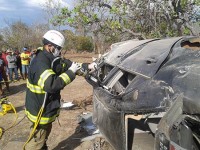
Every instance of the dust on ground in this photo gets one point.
(66, 133)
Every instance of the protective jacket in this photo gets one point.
(44, 83)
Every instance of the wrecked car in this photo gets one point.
(153, 85)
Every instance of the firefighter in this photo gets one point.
(43, 89)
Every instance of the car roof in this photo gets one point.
(150, 57)
(142, 57)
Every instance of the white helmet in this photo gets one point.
(55, 37)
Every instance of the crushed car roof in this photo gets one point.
(143, 57)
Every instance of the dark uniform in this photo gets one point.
(44, 84)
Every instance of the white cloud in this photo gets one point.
(34, 3)
(26, 10)
(2, 8)
(6, 6)
(41, 3)
(12, 5)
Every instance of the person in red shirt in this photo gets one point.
(4, 70)
(3, 57)
(1, 79)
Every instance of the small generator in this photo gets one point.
(5, 105)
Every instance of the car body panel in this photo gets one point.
(105, 118)
(150, 57)
(147, 78)
(119, 50)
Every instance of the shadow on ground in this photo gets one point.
(20, 108)
(73, 141)
(15, 89)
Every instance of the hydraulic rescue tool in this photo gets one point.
(5, 107)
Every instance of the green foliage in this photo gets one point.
(197, 2)
(84, 44)
(154, 35)
(65, 11)
(110, 21)
(138, 27)
(184, 4)
(70, 38)
(95, 17)
(77, 43)
(186, 31)
(115, 24)
(114, 10)
(1, 38)
(70, 20)
(85, 19)
(171, 33)
(77, 9)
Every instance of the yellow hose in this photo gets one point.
(35, 126)
(13, 124)
(1, 132)
(39, 116)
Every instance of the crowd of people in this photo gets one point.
(14, 65)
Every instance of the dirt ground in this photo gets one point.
(66, 133)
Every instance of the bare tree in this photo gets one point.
(18, 35)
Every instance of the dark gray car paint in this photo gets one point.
(171, 69)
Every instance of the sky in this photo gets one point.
(28, 11)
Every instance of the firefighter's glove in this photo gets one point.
(92, 67)
(75, 67)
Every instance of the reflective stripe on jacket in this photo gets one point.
(43, 120)
(42, 81)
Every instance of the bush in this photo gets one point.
(77, 43)
(84, 44)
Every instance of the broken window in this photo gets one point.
(120, 85)
(104, 71)
(115, 80)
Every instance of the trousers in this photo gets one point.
(38, 141)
